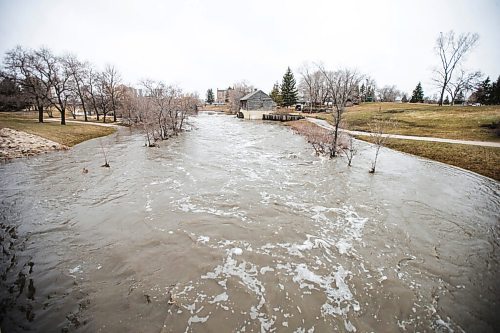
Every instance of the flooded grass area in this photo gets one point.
(237, 226)
(482, 160)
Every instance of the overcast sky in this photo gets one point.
(212, 44)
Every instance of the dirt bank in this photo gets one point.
(15, 144)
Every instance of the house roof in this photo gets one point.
(247, 96)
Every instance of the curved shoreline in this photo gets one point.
(15, 144)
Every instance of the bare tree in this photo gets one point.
(130, 106)
(377, 129)
(103, 98)
(73, 104)
(162, 99)
(79, 72)
(56, 78)
(451, 52)
(348, 147)
(313, 86)
(112, 80)
(320, 138)
(147, 118)
(463, 83)
(388, 93)
(20, 67)
(239, 90)
(342, 84)
(91, 89)
(307, 84)
(188, 105)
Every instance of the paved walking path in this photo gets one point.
(325, 124)
(81, 122)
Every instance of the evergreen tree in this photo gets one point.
(446, 100)
(460, 98)
(370, 94)
(495, 92)
(276, 95)
(418, 94)
(362, 92)
(288, 89)
(487, 92)
(210, 96)
(404, 99)
(483, 92)
(12, 97)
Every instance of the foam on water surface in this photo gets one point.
(307, 267)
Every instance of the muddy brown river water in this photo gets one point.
(236, 226)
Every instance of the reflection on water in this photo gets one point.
(237, 227)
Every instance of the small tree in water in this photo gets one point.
(347, 147)
(378, 138)
(106, 164)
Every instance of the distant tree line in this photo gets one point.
(453, 81)
(313, 87)
(40, 79)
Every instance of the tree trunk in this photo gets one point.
(334, 151)
(84, 110)
(40, 113)
(63, 117)
(442, 94)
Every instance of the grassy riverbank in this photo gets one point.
(68, 135)
(449, 122)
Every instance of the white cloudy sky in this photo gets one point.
(212, 44)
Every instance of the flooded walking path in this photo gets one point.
(236, 226)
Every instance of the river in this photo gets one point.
(236, 226)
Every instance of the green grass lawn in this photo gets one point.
(450, 122)
(69, 134)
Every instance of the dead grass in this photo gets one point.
(482, 160)
(450, 122)
(307, 129)
(69, 135)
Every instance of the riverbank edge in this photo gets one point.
(16, 144)
(483, 161)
